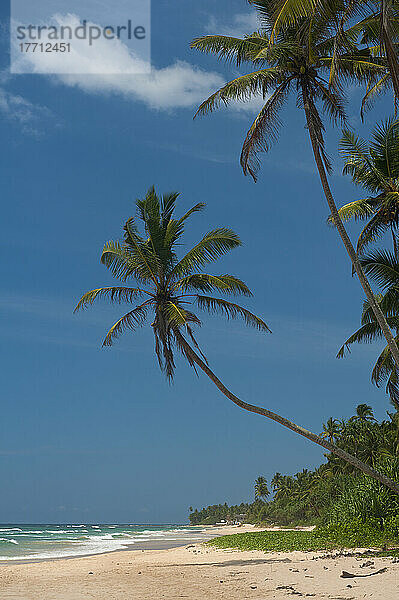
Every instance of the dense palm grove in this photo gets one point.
(335, 491)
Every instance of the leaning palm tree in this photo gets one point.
(374, 166)
(169, 286)
(261, 489)
(295, 61)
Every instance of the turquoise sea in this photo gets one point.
(30, 542)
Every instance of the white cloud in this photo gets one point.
(240, 24)
(20, 110)
(180, 85)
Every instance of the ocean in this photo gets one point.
(34, 542)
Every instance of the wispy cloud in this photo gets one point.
(205, 154)
(30, 117)
(179, 85)
(239, 25)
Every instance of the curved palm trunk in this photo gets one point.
(193, 357)
(342, 231)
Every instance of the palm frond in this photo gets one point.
(214, 244)
(375, 228)
(384, 149)
(175, 227)
(131, 320)
(383, 267)
(241, 89)
(178, 316)
(231, 311)
(283, 14)
(315, 122)
(357, 210)
(358, 163)
(114, 294)
(383, 367)
(207, 283)
(148, 261)
(372, 92)
(229, 48)
(264, 130)
(365, 334)
(333, 103)
(119, 260)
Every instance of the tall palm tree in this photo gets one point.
(374, 166)
(331, 429)
(169, 287)
(261, 489)
(295, 61)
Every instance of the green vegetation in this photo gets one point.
(349, 508)
(328, 538)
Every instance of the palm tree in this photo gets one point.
(364, 413)
(276, 481)
(331, 429)
(284, 488)
(375, 167)
(170, 286)
(383, 267)
(261, 489)
(295, 60)
(379, 25)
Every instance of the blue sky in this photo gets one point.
(88, 434)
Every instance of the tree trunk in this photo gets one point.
(342, 232)
(389, 47)
(193, 357)
(395, 243)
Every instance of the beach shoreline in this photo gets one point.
(208, 531)
(196, 571)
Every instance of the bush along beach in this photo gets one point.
(347, 508)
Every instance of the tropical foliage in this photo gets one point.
(374, 166)
(334, 492)
(370, 27)
(169, 284)
(261, 489)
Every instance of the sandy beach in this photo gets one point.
(197, 572)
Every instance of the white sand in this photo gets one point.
(197, 572)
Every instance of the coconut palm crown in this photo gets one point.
(376, 34)
(374, 166)
(167, 284)
(383, 267)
